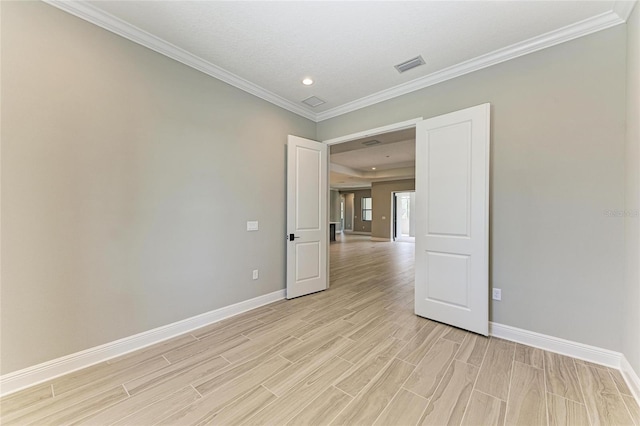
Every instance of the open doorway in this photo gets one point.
(404, 224)
(368, 171)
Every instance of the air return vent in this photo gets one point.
(371, 143)
(411, 63)
(313, 101)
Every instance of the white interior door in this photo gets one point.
(452, 219)
(307, 225)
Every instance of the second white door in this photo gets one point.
(452, 219)
(307, 232)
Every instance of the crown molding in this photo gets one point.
(623, 8)
(552, 38)
(117, 26)
(621, 11)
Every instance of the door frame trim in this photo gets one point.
(402, 125)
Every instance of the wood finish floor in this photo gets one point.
(352, 355)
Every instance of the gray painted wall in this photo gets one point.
(558, 146)
(127, 181)
(631, 338)
(334, 209)
(360, 225)
(382, 205)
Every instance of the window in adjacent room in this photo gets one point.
(366, 208)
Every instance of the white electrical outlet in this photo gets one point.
(255, 274)
(497, 294)
(252, 225)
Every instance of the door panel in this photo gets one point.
(449, 180)
(452, 225)
(309, 194)
(448, 275)
(306, 216)
(307, 261)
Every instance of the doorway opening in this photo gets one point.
(404, 224)
(368, 169)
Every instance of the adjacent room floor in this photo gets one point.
(352, 355)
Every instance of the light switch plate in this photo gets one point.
(497, 294)
(252, 225)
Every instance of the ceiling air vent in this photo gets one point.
(371, 143)
(313, 101)
(411, 63)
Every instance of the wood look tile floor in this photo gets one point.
(352, 355)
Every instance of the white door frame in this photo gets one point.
(409, 124)
(402, 125)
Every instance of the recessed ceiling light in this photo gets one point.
(373, 168)
(307, 81)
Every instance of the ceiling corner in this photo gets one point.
(623, 8)
(117, 26)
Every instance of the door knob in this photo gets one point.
(292, 237)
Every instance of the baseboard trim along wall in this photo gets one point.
(30, 376)
(631, 377)
(380, 239)
(556, 344)
(577, 350)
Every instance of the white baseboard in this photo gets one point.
(556, 344)
(358, 232)
(13, 382)
(380, 239)
(631, 377)
(577, 350)
(30, 376)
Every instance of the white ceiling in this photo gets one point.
(348, 48)
(393, 158)
(382, 157)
